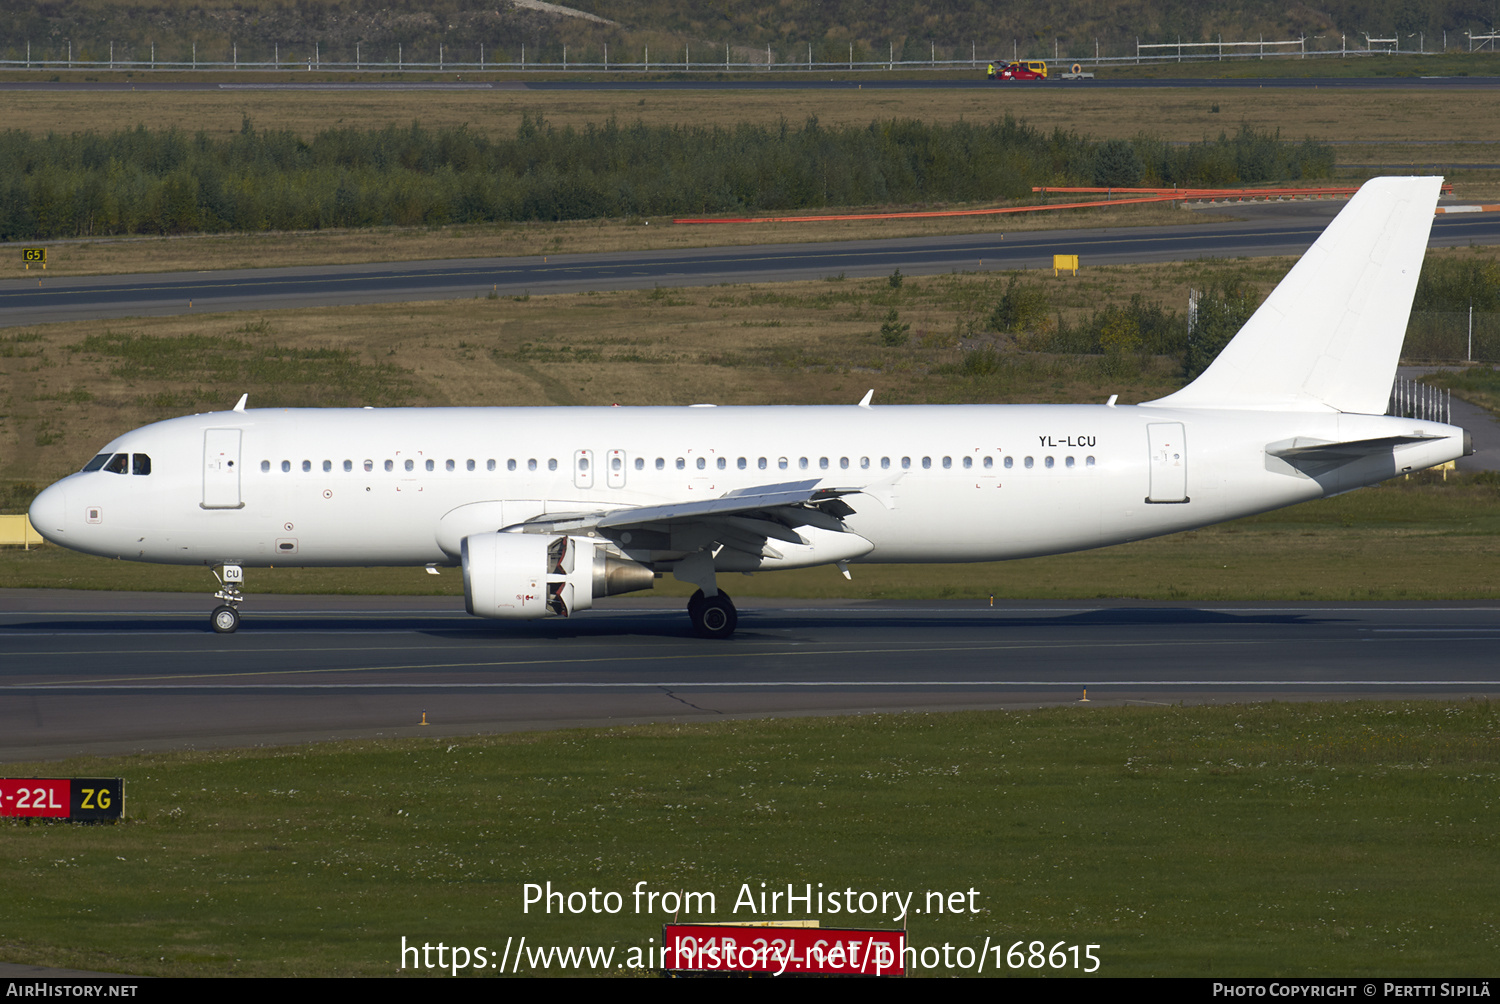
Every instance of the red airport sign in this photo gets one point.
(74, 798)
(785, 951)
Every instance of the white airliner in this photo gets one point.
(547, 509)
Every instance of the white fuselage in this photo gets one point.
(935, 483)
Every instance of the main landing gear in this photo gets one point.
(226, 617)
(713, 616)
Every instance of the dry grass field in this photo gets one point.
(1340, 115)
(69, 388)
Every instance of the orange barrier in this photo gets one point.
(1469, 209)
(1141, 195)
(947, 212)
(1214, 193)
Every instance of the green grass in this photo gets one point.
(1350, 840)
(1477, 384)
(281, 376)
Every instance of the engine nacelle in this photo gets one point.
(522, 576)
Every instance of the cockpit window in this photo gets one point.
(97, 462)
(140, 463)
(118, 464)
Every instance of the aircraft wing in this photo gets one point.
(744, 518)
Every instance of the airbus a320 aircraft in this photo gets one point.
(548, 509)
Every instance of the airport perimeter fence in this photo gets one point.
(1447, 337)
(178, 56)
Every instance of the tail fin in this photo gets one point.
(1329, 336)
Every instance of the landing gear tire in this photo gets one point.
(713, 616)
(225, 620)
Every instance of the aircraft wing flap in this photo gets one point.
(766, 499)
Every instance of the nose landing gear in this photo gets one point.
(226, 617)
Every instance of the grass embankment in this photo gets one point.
(1351, 840)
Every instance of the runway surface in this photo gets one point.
(1287, 229)
(110, 673)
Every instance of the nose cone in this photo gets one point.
(49, 513)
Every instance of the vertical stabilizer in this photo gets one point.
(1329, 336)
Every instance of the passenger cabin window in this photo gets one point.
(702, 463)
(1030, 463)
(885, 463)
(369, 465)
(926, 463)
(348, 466)
(306, 466)
(469, 465)
(411, 465)
(1010, 462)
(552, 464)
(989, 462)
(429, 465)
(905, 463)
(140, 463)
(328, 466)
(265, 467)
(531, 464)
(968, 462)
(681, 463)
(723, 463)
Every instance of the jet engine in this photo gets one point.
(521, 576)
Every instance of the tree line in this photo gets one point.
(142, 181)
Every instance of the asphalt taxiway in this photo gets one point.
(111, 673)
(1284, 229)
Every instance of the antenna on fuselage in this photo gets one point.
(864, 402)
(243, 398)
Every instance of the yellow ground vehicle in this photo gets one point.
(1027, 69)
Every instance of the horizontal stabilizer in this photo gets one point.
(1302, 448)
(1329, 336)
